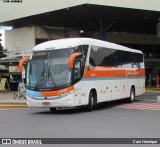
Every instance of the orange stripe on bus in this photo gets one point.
(57, 92)
(113, 72)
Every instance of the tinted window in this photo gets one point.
(106, 57)
(117, 58)
(139, 60)
(95, 56)
(83, 49)
(61, 53)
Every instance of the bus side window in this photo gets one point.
(91, 61)
(94, 59)
(78, 69)
(83, 49)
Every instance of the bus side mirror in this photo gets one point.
(21, 63)
(71, 60)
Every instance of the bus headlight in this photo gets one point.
(69, 101)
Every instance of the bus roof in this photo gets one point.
(73, 42)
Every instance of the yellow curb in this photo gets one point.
(152, 88)
(12, 107)
(155, 88)
(149, 90)
(13, 103)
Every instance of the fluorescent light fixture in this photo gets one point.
(81, 31)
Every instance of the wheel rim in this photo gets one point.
(92, 101)
(132, 95)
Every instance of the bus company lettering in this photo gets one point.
(132, 73)
(62, 91)
(93, 75)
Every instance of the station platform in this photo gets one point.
(7, 101)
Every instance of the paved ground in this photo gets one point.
(107, 121)
(110, 120)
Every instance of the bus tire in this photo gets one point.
(52, 109)
(92, 101)
(131, 99)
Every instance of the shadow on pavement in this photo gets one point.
(101, 106)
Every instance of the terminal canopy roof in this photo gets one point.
(89, 17)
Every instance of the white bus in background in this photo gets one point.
(69, 73)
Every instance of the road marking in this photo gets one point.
(147, 100)
(141, 106)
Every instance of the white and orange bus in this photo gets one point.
(68, 73)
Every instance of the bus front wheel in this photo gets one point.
(52, 109)
(92, 101)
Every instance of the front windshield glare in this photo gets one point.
(49, 69)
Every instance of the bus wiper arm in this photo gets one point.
(41, 78)
(50, 75)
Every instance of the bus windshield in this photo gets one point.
(49, 69)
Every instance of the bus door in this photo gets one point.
(79, 84)
(79, 95)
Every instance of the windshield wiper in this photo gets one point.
(41, 78)
(50, 75)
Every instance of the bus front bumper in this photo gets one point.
(65, 101)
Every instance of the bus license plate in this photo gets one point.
(46, 103)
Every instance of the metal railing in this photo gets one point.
(17, 54)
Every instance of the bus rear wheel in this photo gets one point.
(92, 101)
(131, 99)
